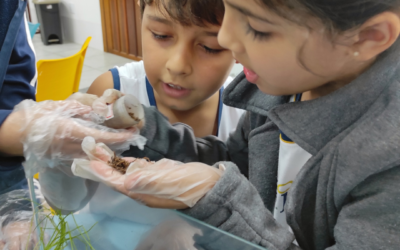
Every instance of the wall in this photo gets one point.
(80, 19)
(33, 11)
(236, 70)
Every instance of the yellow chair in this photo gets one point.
(59, 78)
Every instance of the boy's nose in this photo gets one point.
(179, 62)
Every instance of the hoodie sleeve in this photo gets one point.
(370, 219)
(178, 142)
(235, 206)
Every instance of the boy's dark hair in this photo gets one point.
(189, 12)
(337, 15)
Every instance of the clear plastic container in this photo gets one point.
(135, 226)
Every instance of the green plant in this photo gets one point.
(62, 235)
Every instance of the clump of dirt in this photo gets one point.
(120, 164)
(132, 115)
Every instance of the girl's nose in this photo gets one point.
(227, 36)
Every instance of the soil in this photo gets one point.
(120, 164)
(132, 115)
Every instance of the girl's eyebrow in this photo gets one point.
(247, 12)
(159, 19)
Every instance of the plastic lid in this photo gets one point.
(46, 1)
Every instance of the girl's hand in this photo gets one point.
(167, 180)
(162, 184)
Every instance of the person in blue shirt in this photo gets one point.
(17, 83)
(25, 123)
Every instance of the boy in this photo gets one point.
(184, 69)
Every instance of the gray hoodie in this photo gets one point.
(347, 196)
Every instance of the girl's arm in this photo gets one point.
(370, 218)
(178, 142)
(235, 206)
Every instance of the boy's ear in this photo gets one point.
(376, 35)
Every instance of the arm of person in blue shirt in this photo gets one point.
(18, 85)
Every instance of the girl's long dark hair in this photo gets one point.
(337, 15)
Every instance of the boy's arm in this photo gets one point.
(102, 83)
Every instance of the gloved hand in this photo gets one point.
(18, 236)
(175, 234)
(112, 110)
(162, 184)
(52, 133)
(85, 99)
(99, 104)
(16, 220)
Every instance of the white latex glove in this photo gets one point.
(85, 99)
(18, 236)
(112, 110)
(54, 131)
(100, 104)
(163, 184)
(16, 220)
(172, 235)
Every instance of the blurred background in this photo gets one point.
(113, 25)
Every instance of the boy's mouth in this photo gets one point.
(175, 91)
(174, 86)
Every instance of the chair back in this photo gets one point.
(60, 78)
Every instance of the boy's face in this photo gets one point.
(283, 57)
(185, 65)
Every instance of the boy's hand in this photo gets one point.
(99, 104)
(85, 99)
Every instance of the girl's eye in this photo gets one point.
(258, 35)
(159, 37)
(211, 51)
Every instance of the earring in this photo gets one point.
(356, 53)
(236, 61)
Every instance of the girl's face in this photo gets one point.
(280, 56)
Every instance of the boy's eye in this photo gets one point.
(159, 37)
(211, 51)
(258, 35)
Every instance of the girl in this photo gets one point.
(315, 160)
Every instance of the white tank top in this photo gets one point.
(292, 158)
(131, 79)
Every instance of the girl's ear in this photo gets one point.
(376, 35)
